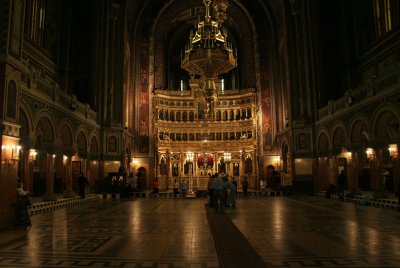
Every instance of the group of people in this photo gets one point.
(184, 188)
(223, 191)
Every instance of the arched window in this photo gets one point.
(225, 116)
(218, 115)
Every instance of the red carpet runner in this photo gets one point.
(233, 249)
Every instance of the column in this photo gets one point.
(49, 176)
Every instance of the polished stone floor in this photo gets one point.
(286, 232)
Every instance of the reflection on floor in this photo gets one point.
(286, 232)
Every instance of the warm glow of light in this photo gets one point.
(227, 157)
(370, 153)
(393, 150)
(32, 154)
(190, 156)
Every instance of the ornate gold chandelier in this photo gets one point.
(208, 53)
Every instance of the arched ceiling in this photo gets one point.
(167, 24)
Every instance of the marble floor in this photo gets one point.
(294, 231)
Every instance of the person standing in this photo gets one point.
(234, 182)
(231, 193)
(176, 187)
(82, 183)
(184, 187)
(341, 184)
(218, 186)
(263, 184)
(22, 209)
(210, 191)
(156, 187)
(245, 186)
(398, 196)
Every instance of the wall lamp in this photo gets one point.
(11, 155)
(393, 151)
(190, 157)
(65, 159)
(32, 154)
(370, 153)
(227, 157)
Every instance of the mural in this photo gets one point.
(112, 144)
(205, 161)
(175, 170)
(143, 97)
(266, 108)
(236, 170)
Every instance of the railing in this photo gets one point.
(41, 207)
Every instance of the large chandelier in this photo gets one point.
(208, 53)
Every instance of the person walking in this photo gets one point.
(82, 183)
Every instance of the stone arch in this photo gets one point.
(82, 142)
(94, 146)
(240, 24)
(359, 132)
(25, 120)
(323, 142)
(45, 132)
(386, 125)
(338, 137)
(66, 137)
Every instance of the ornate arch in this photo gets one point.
(323, 141)
(81, 140)
(359, 131)
(386, 124)
(94, 145)
(338, 136)
(45, 132)
(25, 120)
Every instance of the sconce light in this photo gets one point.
(32, 154)
(190, 157)
(227, 157)
(11, 154)
(370, 153)
(393, 151)
(65, 159)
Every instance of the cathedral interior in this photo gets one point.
(290, 91)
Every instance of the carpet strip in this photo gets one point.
(233, 249)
